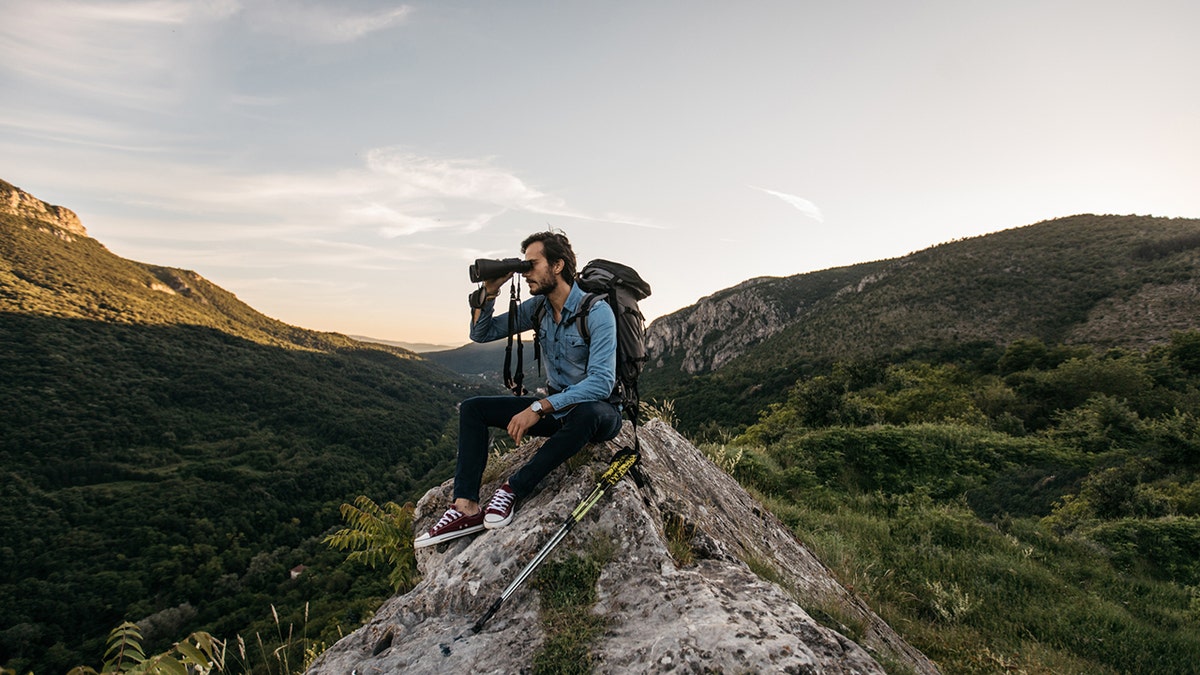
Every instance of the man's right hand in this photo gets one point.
(493, 286)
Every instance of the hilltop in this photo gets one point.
(1104, 281)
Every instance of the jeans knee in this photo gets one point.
(601, 419)
(471, 407)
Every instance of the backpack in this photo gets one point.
(622, 287)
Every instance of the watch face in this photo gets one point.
(537, 406)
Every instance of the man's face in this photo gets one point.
(541, 279)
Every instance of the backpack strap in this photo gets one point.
(585, 308)
(539, 313)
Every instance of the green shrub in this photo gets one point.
(1165, 548)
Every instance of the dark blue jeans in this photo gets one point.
(590, 422)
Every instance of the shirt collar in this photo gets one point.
(573, 299)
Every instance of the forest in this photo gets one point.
(1019, 508)
(174, 476)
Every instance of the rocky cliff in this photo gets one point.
(717, 329)
(677, 590)
(17, 202)
(725, 325)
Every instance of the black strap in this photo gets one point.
(514, 382)
(585, 308)
(539, 313)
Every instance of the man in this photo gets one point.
(580, 378)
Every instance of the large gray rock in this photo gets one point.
(712, 614)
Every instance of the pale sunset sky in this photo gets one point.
(337, 165)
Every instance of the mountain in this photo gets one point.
(417, 347)
(168, 454)
(1106, 281)
(484, 360)
(667, 574)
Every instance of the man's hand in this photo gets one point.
(521, 423)
(493, 286)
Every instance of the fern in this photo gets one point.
(199, 654)
(124, 646)
(379, 535)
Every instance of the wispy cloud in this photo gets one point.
(140, 54)
(476, 188)
(396, 193)
(323, 22)
(803, 205)
(110, 53)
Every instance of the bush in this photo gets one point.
(1166, 548)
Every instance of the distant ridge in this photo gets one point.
(418, 347)
(1101, 280)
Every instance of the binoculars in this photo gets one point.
(485, 269)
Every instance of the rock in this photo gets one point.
(17, 202)
(709, 614)
(717, 329)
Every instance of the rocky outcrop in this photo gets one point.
(716, 330)
(706, 611)
(17, 202)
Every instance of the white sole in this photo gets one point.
(496, 524)
(425, 540)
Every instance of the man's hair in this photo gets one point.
(555, 247)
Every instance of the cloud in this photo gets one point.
(803, 205)
(476, 185)
(323, 22)
(388, 212)
(148, 54)
(476, 179)
(110, 53)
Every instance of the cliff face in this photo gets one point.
(716, 330)
(706, 611)
(17, 202)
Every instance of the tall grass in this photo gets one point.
(982, 598)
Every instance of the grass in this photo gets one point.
(567, 589)
(679, 535)
(978, 599)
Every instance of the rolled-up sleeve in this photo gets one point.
(489, 327)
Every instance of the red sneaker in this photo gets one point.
(499, 511)
(454, 524)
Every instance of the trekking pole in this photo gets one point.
(617, 468)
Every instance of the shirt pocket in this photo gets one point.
(576, 349)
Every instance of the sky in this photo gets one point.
(338, 165)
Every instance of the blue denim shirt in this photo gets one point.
(578, 372)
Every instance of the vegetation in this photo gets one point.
(200, 653)
(991, 441)
(170, 457)
(567, 589)
(379, 535)
(1036, 511)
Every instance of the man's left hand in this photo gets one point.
(521, 423)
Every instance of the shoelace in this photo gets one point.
(449, 516)
(501, 501)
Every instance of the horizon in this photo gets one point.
(338, 167)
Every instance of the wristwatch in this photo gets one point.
(537, 408)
